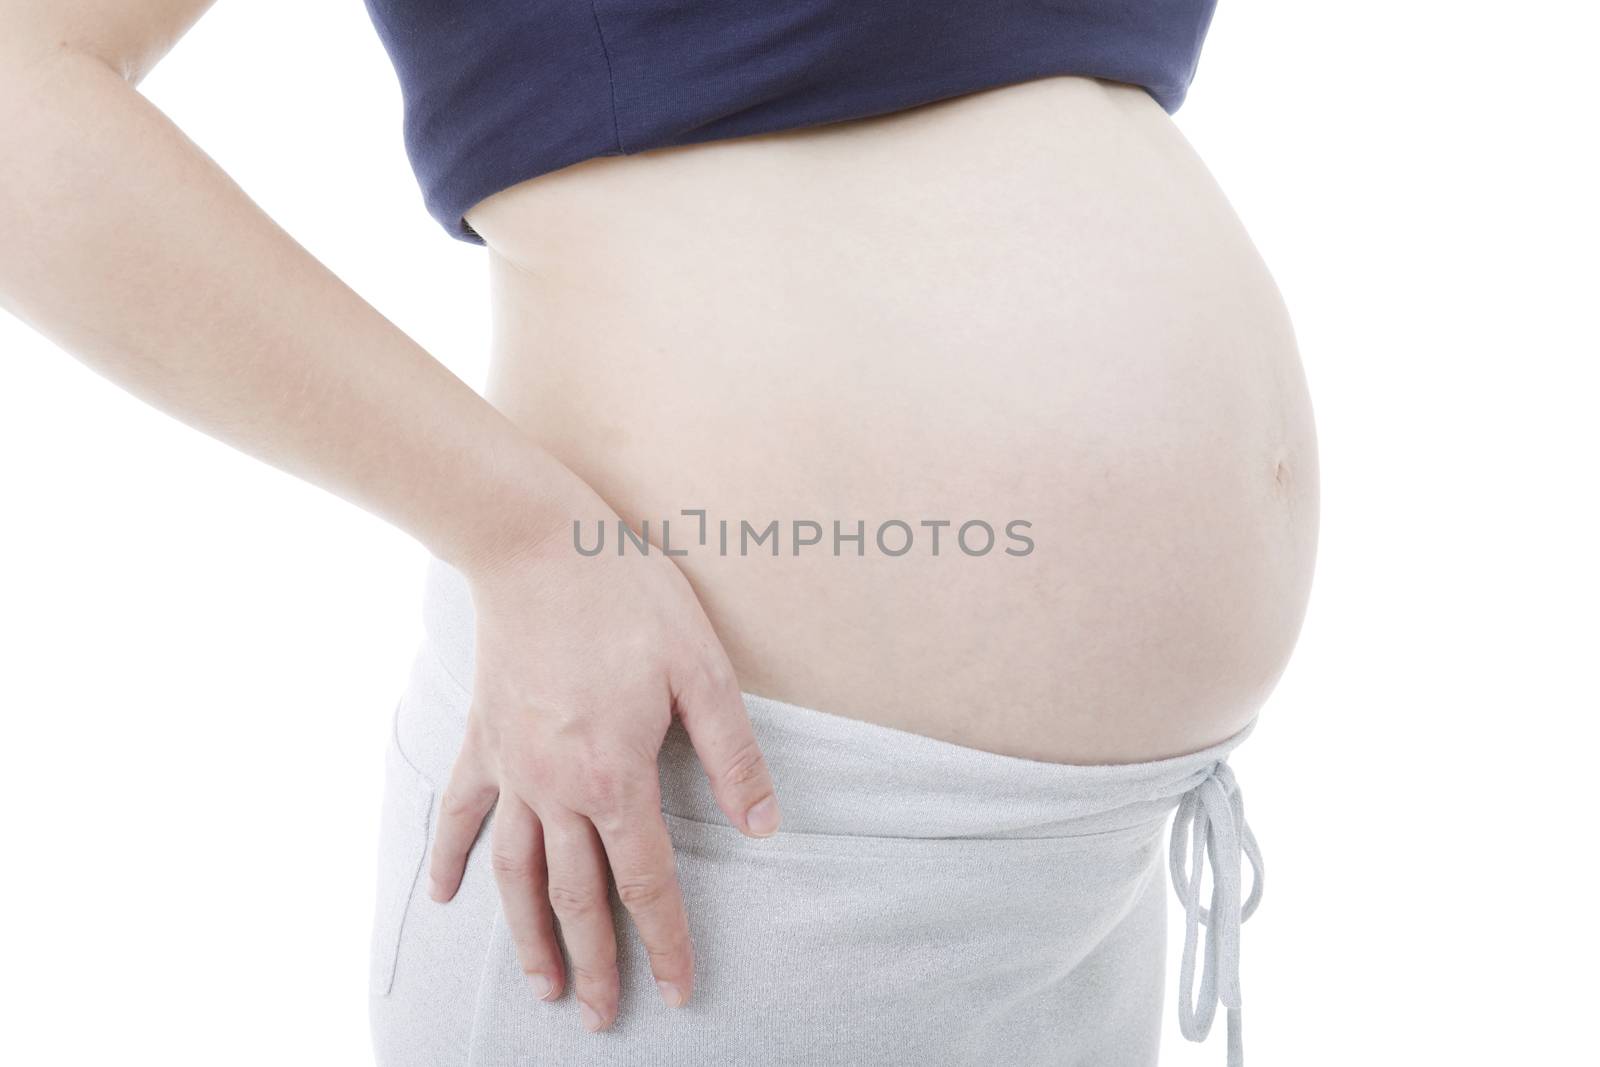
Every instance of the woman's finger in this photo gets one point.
(517, 857)
(580, 895)
(462, 809)
(713, 714)
(640, 853)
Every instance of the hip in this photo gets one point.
(923, 902)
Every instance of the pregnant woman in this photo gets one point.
(893, 497)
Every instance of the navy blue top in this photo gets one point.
(499, 91)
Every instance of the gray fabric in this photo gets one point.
(924, 903)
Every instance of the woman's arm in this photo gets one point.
(130, 248)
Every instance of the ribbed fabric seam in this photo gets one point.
(405, 757)
(611, 78)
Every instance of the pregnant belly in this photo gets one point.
(981, 420)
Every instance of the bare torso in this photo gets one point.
(1026, 305)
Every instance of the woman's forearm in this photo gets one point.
(129, 247)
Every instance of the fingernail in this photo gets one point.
(591, 1018)
(435, 889)
(542, 986)
(672, 994)
(763, 817)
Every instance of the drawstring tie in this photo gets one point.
(1211, 815)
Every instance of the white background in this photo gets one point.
(200, 653)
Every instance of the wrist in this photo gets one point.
(523, 513)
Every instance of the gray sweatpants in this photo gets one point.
(924, 904)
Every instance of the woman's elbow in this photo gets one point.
(128, 39)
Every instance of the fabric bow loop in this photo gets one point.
(1210, 827)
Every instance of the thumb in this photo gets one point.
(713, 714)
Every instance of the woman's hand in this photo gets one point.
(581, 662)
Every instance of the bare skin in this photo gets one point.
(1029, 304)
